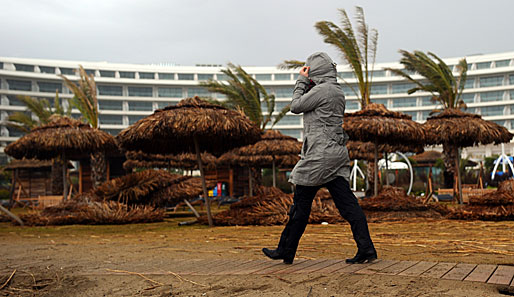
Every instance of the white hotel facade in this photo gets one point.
(129, 92)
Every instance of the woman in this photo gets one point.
(324, 160)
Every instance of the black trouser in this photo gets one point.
(346, 203)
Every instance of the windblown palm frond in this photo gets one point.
(438, 77)
(245, 92)
(291, 64)
(84, 99)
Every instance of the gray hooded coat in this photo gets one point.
(324, 155)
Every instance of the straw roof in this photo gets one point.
(74, 138)
(364, 150)
(457, 128)
(171, 130)
(272, 143)
(30, 164)
(184, 161)
(186, 189)
(375, 123)
(427, 157)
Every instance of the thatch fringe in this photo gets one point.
(184, 161)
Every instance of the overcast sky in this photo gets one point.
(250, 33)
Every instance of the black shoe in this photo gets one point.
(275, 255)
(363, 257)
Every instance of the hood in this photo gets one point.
(322, 68)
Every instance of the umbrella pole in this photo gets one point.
(387, 168)
(64, 179)
(274, 175)
(375, 186)
(459, 184)
(250, 183)
(204, 187)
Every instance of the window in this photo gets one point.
(426, 101)
(292, 133)
(19, 85)
(468, 98)
(24, 67)
(347, 90)
(413, 114)
(200, 92)
(146, 75)
(500, 122)
(401, 88)
(205, 76)
(110, 90)
(13, 132)
(346, 75)
(134, 118)
(404, 102)
(1, 65)
(471, 110)
(491, 81)
(379, 73)
(110, 104)
(470, 83)
(380, 101)
(140, 91)
(107, 73)
(502, 63)
(46, 69)
(49, 87)
(90, 72)
(512, 96)
(283, 76)
(492, 110)
(511, 79)
(113, 132)
(67, 71)
(483, 65)
(221, 76)
(170, 92)
(161, 104)
(352, 104)
(376, 89)
(110, 119)
(169, 76)
(263, 76)
(14, 101)
(127, 74)
(140, 105)
(491, 96)
(284, 92)
(290, 120)
(279, 105)
(425, 114)
(186, 76)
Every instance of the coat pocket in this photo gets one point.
(338, 135)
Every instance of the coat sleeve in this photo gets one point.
(302, 101)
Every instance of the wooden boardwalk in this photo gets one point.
(484, 273)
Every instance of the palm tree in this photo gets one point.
(438, 80)
(245, 92)
(86, 101)
(24, 122)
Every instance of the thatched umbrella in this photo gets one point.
(184, 161)
(188, 188)
(272, 144)
(63, 137)
(455, 129)
(193, 125)
(378, 125)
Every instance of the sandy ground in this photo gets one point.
(74, 260)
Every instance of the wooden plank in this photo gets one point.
(398, 267)
(246, 265)
(503, 275)
(376, 266)
(351, 268)
(256, 268)
(186, 265)
(207, 268)
(438, 270)
(481, 273)
(287, 268)
(418, 269)
(224, 266)
(317, 267)
(460, 271)
(339, 264)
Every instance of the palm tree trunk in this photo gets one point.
(98, 168)
(56, 176)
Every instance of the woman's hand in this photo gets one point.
(305, 71)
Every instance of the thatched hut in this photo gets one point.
(378, 125)
(64, 138)
(193, 125)
(183, 161)
(455, 129)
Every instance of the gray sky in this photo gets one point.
(250, 33)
